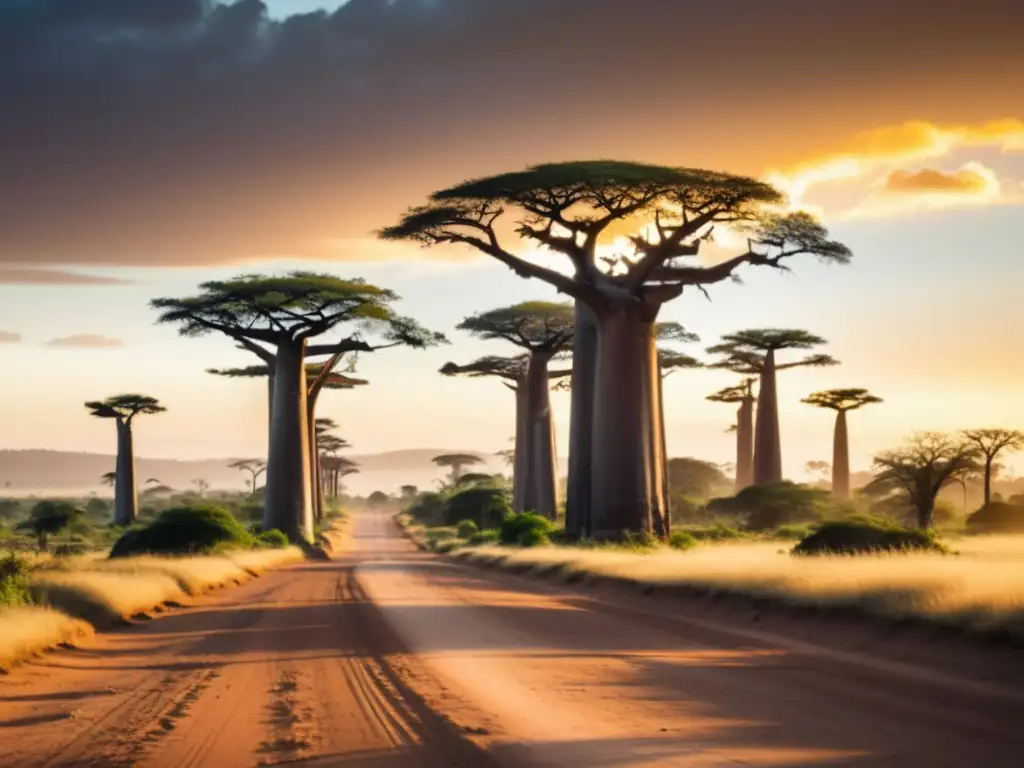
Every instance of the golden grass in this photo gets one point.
(27, 631)
(980, 590)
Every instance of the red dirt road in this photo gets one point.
(388, 657)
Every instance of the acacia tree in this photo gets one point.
(922, 467)
(743, 394)
(568, 208)
(123, 409)
(255, 468)
(753, 352)
(456, 462)
(514, 373)
(276, 318)
(990, 443)
(841, 401)
(545, 331)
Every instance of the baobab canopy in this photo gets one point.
(841, 399)
(539, 326)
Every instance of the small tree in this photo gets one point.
(48, 518)
(990, 443)
(456, 462)
(276, 318)
(926, 463)
(255, 468)
(202, 486)
(841, 401)
(123, 409)
(744, 428)
(108, 478)
(753, 352)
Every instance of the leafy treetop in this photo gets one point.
(927, 461)
(539, 326)
(568, 208)
(294, 308)
(456, 459)
(841, 399)
(745, 351)
(990, 442)
(507, 368)
(313, 370)
(671, 360)
(734, 394)
(124, 408)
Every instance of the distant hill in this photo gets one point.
(40, 472)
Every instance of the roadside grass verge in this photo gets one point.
(26, 631)
(971, 592)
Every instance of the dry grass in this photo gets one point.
(980, 590)
(25, 632)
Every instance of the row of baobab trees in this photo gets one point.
(616, 477)
(545, 332)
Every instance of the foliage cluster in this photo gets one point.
(863, 535)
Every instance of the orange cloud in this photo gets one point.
(6, 337)
(20, 276)
(930, 180)
(86, 341)
(880, 157)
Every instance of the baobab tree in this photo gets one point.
(922, 467)
(570, 208)
(514, 374)
(255, 468)
(456, 462)
(841, 401)
(123, 409)
(276, 318)
(744, 428)
(544, 330)
(990, 443)
(319, 377)
(754, 352)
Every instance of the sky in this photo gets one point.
(149, 147)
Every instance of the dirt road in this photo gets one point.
(388, 657)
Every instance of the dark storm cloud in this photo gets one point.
(187, 131)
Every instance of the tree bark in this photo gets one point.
(541, 495)
(841, 459)
(521, 455)
(581, 423)
(745, 444)
(270, 406)
(288, 505)
(126, 499)
(988, 479)
(623, 495)
(664, 452)
(767, 441)
(659, 473)
(315, 479)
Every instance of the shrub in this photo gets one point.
(198, 529)
(681, 540)
(865, 536)
(533, 537)
(466, 528)
(484, 537)
(515, 526)
(716, 532)
(997, 517)
(429, 508)
(486, 506)
(272, 539)
(14, 573)
(686, 509)
(775, 504)
(72, 549)
(49, 518)
(794, 532)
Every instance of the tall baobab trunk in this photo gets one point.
(521, 456)
(745, 444)
(767, 441)
(126, 499)
(288, 505)
(841, 458)
(656, 430)
(542, 474)
(623, 496)
(581, 424)
(270, 405)
(315, 472)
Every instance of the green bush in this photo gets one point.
(72, 549)
(14, 573)
(272, 539)
(533, 537)
(487, 506)
(997, 517)
(793, 532)
(681, 540)
(515, 526)
(429, 508)
(769, 506)
(198, 529)
(865, 536)
(484, 537)
(466, 528)
(717, 532)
